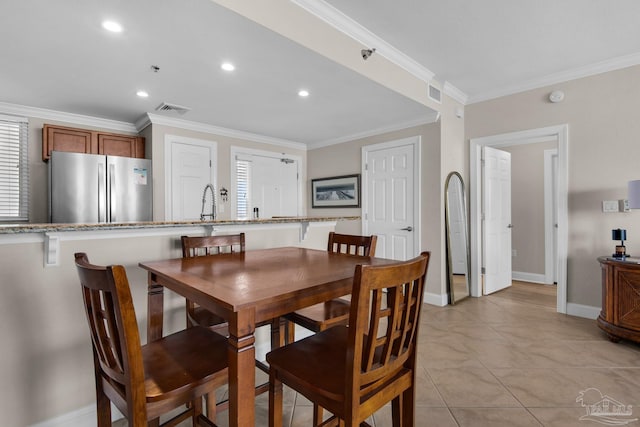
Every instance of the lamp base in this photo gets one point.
(621, 251)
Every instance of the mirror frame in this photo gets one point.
(450, 287)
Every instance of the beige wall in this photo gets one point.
(602, 114)
(527, 206)
(346, 158)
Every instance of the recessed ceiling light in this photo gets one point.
(112, 26)
(228, 66)
(303, 93)
(142, 94)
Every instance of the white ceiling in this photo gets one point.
(55, 55)
(491, 48)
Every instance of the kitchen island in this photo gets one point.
(47, 358)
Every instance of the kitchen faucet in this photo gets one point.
(212, 214)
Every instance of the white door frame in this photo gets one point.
(559, 132)
(417, 187)
(168, 161)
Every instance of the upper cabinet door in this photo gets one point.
(120, 145)
(67, 139)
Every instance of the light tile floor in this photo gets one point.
(505, 360)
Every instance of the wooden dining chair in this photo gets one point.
(145, 381)
(352, 371)
(209, 245)
(334, 312)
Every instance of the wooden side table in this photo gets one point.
(620, 315)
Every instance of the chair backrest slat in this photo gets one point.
(212, 245)
(384, 318)
(103, 328)
(349, 244)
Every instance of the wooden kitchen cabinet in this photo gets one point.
(620, 315)
(67, 139)
(121, 145)
(75, 140)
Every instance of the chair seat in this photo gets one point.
(322, 316)
(317, 365)
(173, 364)
(317, 361)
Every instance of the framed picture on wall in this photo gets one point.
(336, 192)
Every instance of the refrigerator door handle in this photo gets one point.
(102, 194)
(112, 193)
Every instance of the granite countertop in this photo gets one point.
(46, 227)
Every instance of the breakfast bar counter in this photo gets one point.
(50, 227)
(52, 234)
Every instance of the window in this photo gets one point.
(243, 171)
(14, 169)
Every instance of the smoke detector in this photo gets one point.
(165, 106)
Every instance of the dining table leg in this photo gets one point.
(242, 382)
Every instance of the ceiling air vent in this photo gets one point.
(434, 94)
(165, 106)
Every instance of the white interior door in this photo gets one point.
(390, 197)
(191, 169)
(274, 186)
(497, 219)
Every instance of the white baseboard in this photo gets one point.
(586, 311)
(436, 299)
(528, 277)
(82, 417)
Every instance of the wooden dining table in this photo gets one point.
(248, 288)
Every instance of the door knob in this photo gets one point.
(409, 228)
(510, 226)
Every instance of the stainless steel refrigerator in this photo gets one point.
(90, 188)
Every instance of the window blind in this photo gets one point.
(14, 169)
(243, 172)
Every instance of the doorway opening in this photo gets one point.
(560, 134)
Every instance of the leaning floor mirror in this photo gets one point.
(457, 238)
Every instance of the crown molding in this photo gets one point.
(429, 118)
(563, 76)
(353, 29)
(62, 116)
(454, 93)
(143, 122)
(157, 119)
